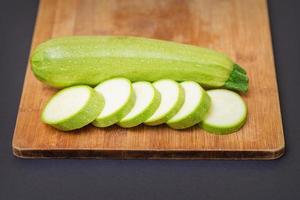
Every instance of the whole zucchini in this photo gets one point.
(75, 60)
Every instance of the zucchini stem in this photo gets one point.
(238, 79)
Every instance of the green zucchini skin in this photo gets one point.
(89, 60)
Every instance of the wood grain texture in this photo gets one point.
(238, 27)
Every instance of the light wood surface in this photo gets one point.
(239, 28)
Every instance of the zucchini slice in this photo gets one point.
(227, 114)
(172, 98)
(73, 108)
(146, 103)
(194, 109)
(119, 99)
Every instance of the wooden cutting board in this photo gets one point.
(239, 28)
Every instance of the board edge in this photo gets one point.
(269, 154)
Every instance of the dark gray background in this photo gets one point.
(141, 179)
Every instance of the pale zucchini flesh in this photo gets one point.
(68, 61)
(146, 103)
(172, 98)
(72, 108)
(194, 108)
(119, 99)
(227, 114)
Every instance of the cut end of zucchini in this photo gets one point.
(227, 114)
(238, 79)
(119, 99)
(194, 108)
(73, 108)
